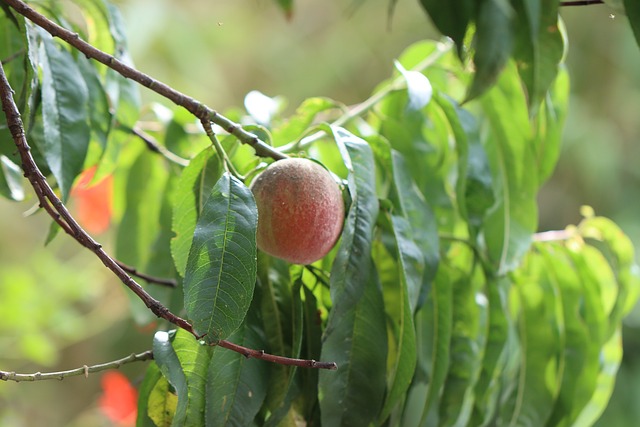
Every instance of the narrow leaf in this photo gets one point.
(64, 112)
(493, 44)
(353, 260)
(11, 180)
(356, 339)
(236, 386)
(221, 269)
(510, 222)
(539, 46)
(194, 187)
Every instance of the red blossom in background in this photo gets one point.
(119, 400)
(93, 201)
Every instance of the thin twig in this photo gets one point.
(369, 103)
(581, 3)
(553, 235)
(259, 354)
(206, 124)
(84, 370)
(153, 145)
(198, 109)
(151, 279)
(58, 211)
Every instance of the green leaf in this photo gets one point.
(97, 21)
(295, 126)
(419, 90)
(100, 116)
(585, 322)
(539, 46)
(434, 325)
(64, 112)
(143, 193)
(155, 406)
(280, 412)
(399, 311)
(236, 386)
(549, 124)
(184, 361)
(632, 9)
(276, 301)
(493, 44)
(194, 187)
(221, 269)
(11, 179)
(348, 277)
(488, 388)
(169, 364)
(451, 17)
(510, 222)
(355, 339)
(537, 306)
(468, 336)
(474, 184)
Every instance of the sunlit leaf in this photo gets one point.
(419, 88)
(510, 222)
(194, 187)
(184, 361)
(11, 181)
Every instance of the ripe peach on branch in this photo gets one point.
(300, 210)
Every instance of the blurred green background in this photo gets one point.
(60, 309)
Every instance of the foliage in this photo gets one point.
(441, 304)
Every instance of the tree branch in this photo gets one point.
(581, 2)
(198, 109)
(84, 370)
(50, 202)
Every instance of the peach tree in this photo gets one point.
(441, 302)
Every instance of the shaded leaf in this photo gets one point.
(64, 113)
(236, 386)
(550, 125)
(353, 256)
(399, 311)
(539, 46)
(451, 17)
(355, 339)
(632, 9)
(221, 268)
(493, 44)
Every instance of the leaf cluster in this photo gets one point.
(440, 304)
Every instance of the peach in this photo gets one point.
(300, 210)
